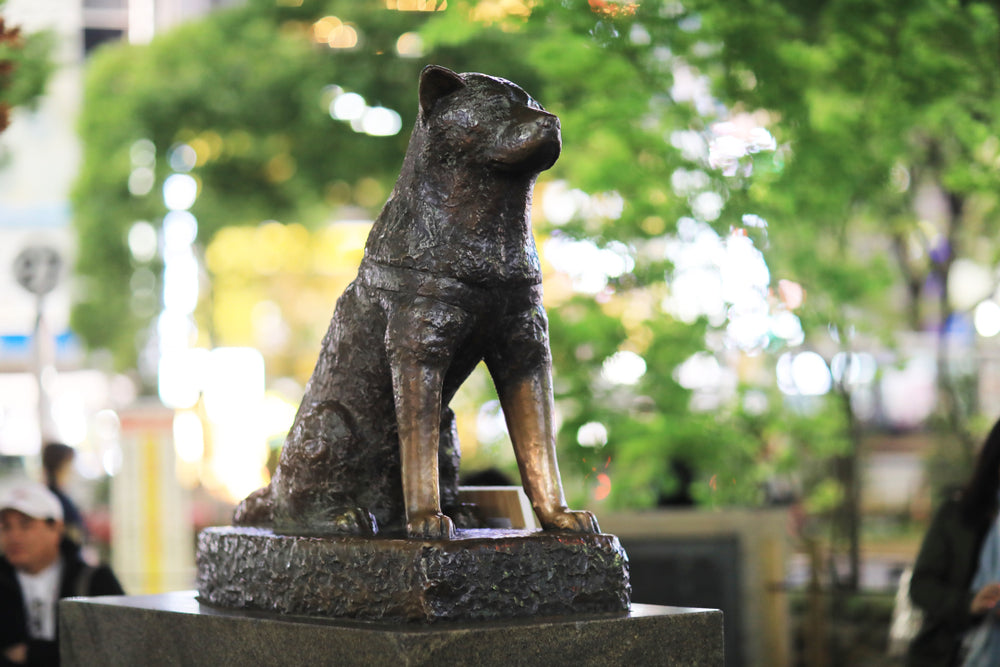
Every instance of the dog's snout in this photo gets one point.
(549, 122)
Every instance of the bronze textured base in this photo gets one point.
(481, 575)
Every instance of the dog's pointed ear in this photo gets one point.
(437, 82)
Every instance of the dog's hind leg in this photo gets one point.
(314, 491)
(255, 510)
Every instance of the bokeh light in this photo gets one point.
(142, 241)
(987, 318)
(592, 434)
(141, 181)
(180, 192)
(182, 158)
(624, 368)
(410, 45)
(803, 374)
(381, 122)
(348, 106)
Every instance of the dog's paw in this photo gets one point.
(353, 521)
(255, 510)
(329, 521)
(573, 521)
(431, 526)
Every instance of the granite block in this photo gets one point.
(175, 629)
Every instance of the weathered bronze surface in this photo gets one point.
(450, 277)
(478, 575)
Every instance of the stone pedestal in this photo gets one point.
(175, 629)
(479, 575)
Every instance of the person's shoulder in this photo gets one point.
(104, 582)
(6, 569)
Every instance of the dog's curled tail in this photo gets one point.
(256, 509)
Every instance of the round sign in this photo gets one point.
(37, 269)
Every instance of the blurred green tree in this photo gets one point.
(25, 66)
(812, 133)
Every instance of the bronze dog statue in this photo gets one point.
(450, 277)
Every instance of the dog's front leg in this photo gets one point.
(418, 414)
(420, 336)
(527, 404)
(521, 366)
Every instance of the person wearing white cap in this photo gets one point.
(39, 566)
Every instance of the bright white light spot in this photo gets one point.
(692, 86)
(180, 229)
(592, 434)
(968, 283)
(490, 423)
(689, 229)
(909, 395)
(277, 414)
(987, 318)
(349, 106)
(623, 367)
(749, 328)
(180, 377)
(700, 371)
(691, 144)
(142, 241)
(234, 383)
(696, 292)
(112, 461)
(609, 205)
(181, 283)
(381, 122)
(175, 331)
(685, 183)
(804, 374)
(70, 415)
(560, 204)
(587, 265)
(707, 206)
(787, 326)
(726, 150)
(743, 268)
(189, 437)
(735, 140)
(179, 192)
(853, 369)
(141, 181)
(760, 139)
(107, 425)
(271, 331)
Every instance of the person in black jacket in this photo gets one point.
(39, 567)
(947, 562)
(57, 464)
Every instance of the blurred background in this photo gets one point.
(770, 249)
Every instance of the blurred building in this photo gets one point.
(46, 390)
(39, 158)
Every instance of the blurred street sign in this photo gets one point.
(37, 269)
